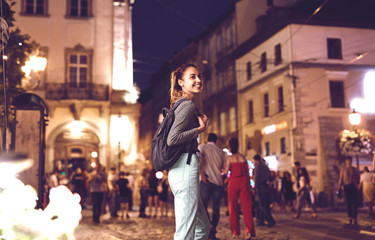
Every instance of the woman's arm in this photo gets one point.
(227, 165)
(183, 116)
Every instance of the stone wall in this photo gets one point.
(329, 128)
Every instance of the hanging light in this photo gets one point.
(354, 118)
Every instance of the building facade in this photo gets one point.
(88, 81)
(211, 53)
(297, 82)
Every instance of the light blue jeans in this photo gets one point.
(190, 215)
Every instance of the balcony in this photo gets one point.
(92, 91)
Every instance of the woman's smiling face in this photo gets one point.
(191, 82)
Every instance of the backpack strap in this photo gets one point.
(191, 151)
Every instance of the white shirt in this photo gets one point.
(367, 177)
(212, 163)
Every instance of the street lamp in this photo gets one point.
(355, 120)
(34, 64)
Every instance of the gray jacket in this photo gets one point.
(185, 126)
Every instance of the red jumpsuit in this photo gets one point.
(239, 184)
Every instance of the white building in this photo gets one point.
(88, 80)
(296, 85)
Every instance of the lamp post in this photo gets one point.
(355, 120)
(37, 65)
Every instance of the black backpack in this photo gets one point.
(162, 155)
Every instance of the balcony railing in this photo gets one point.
(92, 91)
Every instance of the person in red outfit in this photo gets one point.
(239, 186)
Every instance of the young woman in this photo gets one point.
(191, 218)
(303, 195)
(239, 187)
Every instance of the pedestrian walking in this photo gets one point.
(112, 192)
(289, 195)
(131, 188)
(190, 216)
(124, 194)
(143, 192)
(367, 182)
(263, 193)
(97, 183)
(299, 174)
(163, 194)
(211, 184)
(239, 187)
(303, 195)
(79, 179)
(348, 181)
(153, 201)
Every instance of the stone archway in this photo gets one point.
(75, 150)
(67, 145)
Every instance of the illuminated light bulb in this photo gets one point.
(159, 175)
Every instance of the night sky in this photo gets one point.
(162, 27)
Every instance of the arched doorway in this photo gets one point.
(72, 150)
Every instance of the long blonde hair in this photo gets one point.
(176, 90)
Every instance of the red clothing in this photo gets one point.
(239, 184)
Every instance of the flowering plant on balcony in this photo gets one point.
(355, 141)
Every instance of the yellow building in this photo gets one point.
(88, 80)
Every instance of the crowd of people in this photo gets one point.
(204, 173)
(113, 191)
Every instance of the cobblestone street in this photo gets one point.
(329, 225)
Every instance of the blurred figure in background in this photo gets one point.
(303, 195)
(153, 201)
(143, 192)
(239, 187)
(97, 183)
(163, 195)
(348, 181)
(263, 193)
(289, 195)
(112, 192)
(79, 180)
(131, 189)
(211, 184)
(124, 194)
(367, 182)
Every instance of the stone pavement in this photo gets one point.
(329, 225)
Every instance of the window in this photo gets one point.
(79, 8)
(334, 48)
(266, 105)
(223, 122)
(263, 62)
(34, 7)
(251, 112)
(219, 42)
(282, 145)
(220, 80)
(280, 99)
(267, 146)
(78, 70)
(78, 67)
(229, 37)
(229, 76)
(248, 70)
(336, 90)
(278, 58)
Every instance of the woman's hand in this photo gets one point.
(203, 122)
